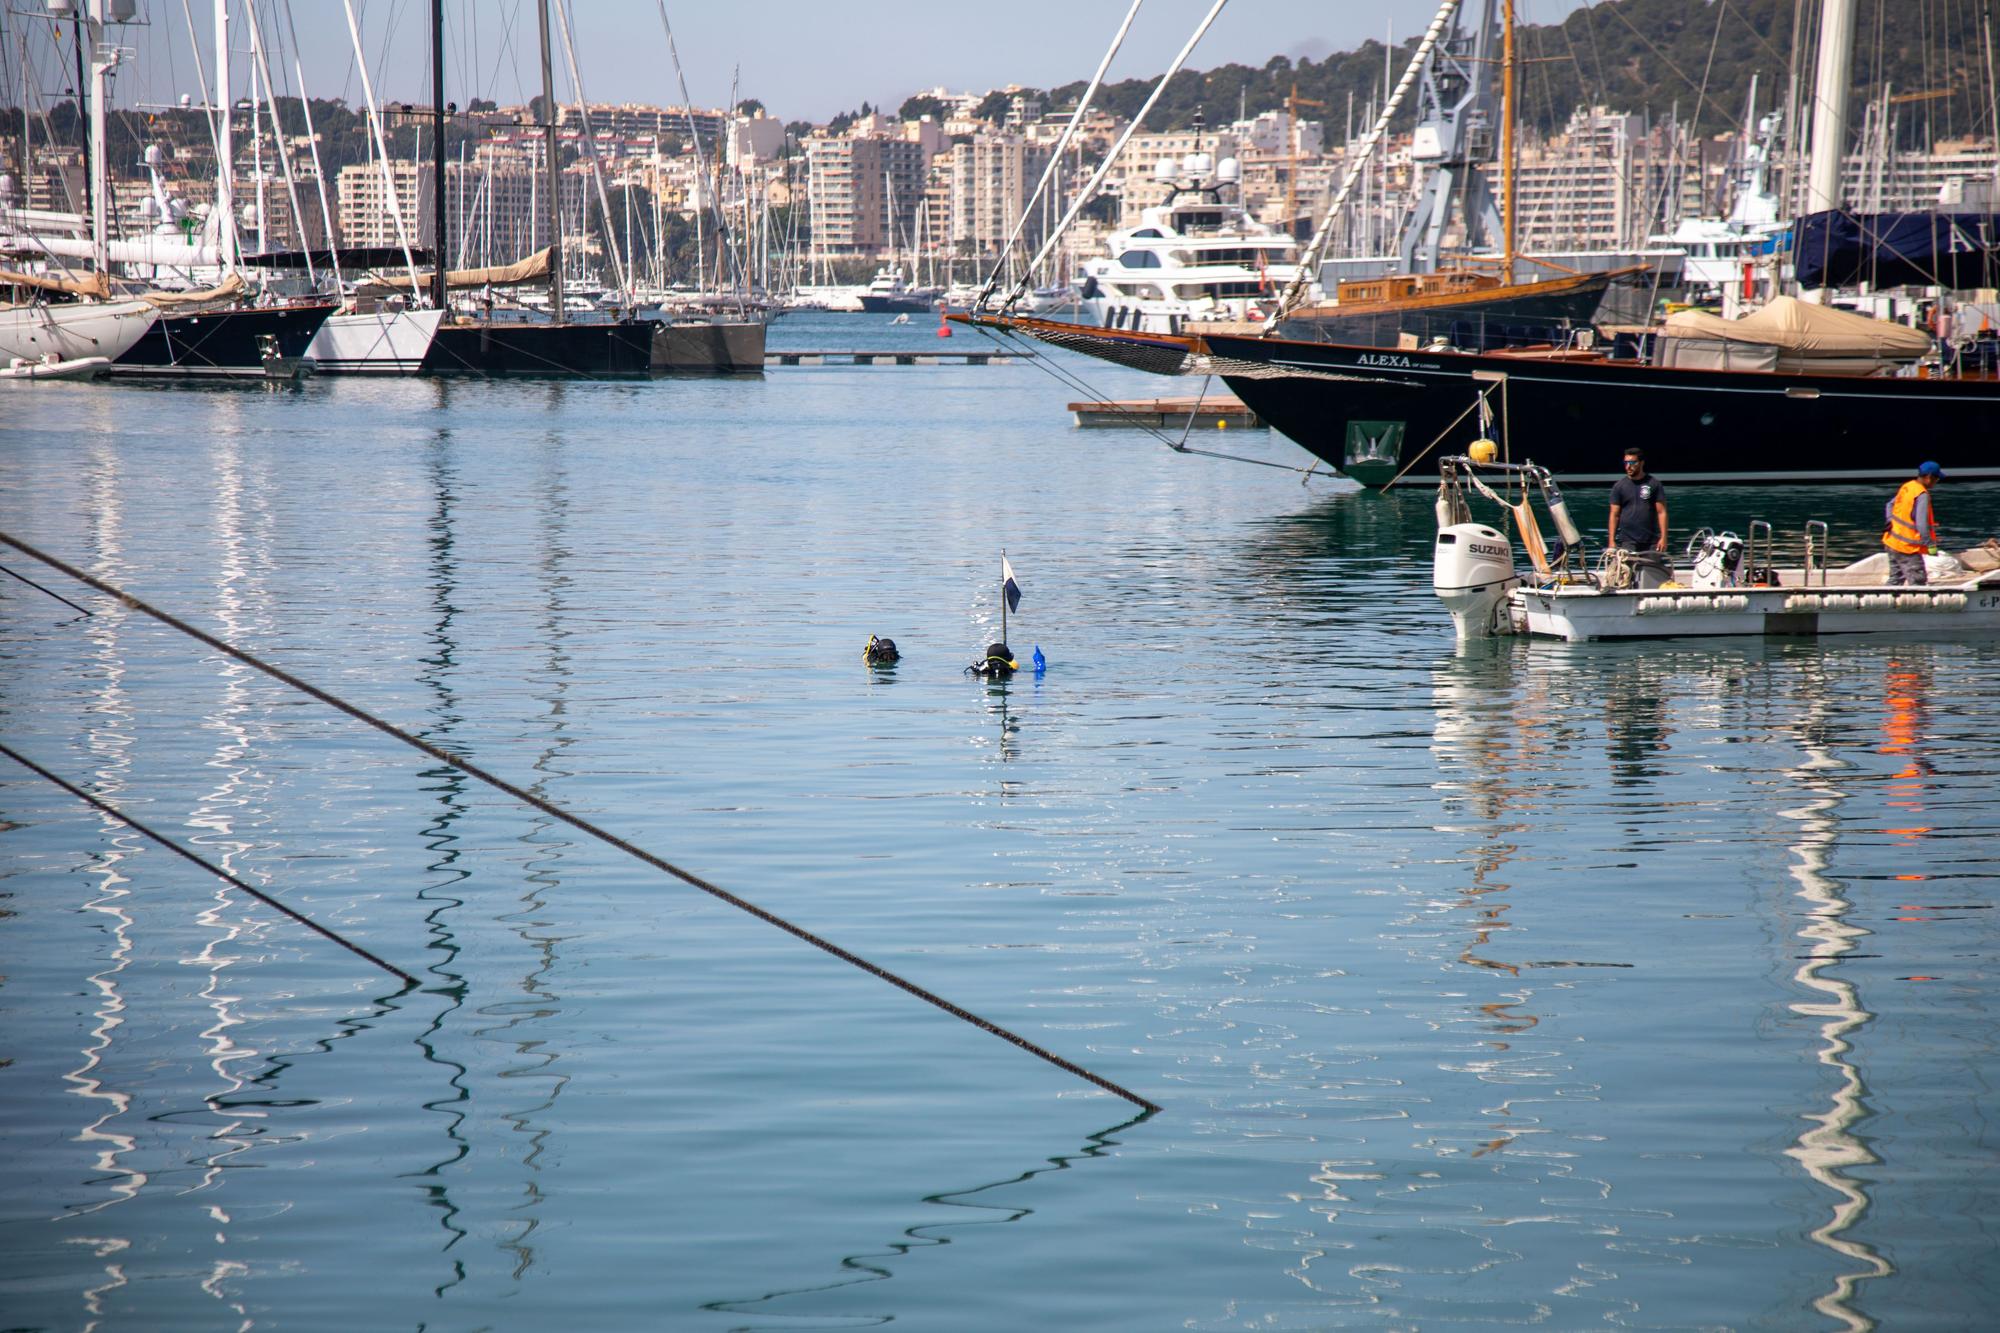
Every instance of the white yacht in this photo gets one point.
(1738, 258)
(1198, 256)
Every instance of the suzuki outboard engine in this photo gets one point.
(1471, 572)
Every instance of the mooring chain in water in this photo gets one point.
(528, 798)
(212, 869)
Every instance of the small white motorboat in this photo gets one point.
(51, 367)
(1734, 585)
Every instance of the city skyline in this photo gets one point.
(824, 62)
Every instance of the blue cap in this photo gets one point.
(1930, 470)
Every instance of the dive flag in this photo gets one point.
(1009, 586)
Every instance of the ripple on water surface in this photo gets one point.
(1640, 984)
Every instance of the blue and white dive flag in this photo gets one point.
(1009, 586)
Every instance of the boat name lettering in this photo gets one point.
(1988, 601)
(1387, 361)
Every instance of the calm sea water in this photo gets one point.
(1649, 986)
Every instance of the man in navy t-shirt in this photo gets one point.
(1638, 508)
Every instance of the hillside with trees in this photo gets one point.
(1691, 58)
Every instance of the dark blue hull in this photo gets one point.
(252, 342)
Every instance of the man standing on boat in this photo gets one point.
(1638, 508)
(1910, 528)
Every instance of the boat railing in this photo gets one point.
(1759, 527)
(1815, 542)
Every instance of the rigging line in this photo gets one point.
(215, 870)
(555, 811)
(1089, 191)
(1055, 154)
(39, 588)
(1478, 401)
(1078, 383)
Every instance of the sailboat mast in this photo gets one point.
(1507, 135)
(1836, 56)
(225, 152)
(553, 173)
(438, 255)
(100, 244)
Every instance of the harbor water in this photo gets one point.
(1645, 985)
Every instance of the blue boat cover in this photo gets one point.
(1951, 250)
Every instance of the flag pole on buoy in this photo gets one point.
(1010, 593)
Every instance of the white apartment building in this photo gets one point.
(1265, 133)
(1604, 183)
(753, 139)
(991, 180)
(629, 119)
(495, 209)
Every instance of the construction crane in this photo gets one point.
(1292, 105)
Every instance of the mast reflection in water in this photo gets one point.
(1830, 1150)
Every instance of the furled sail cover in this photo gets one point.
(230, 288)
(1791, 336)
(1951, 250)
(1795, 326)
(535, 268)
(90, 284)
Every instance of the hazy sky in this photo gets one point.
(805, 59)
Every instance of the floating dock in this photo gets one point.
(901, 356)
(1209, 412)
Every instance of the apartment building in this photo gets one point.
(495, 207)
(867, 193)
(992, 177)
(1604, 183)
(625, 120)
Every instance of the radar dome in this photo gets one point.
(1198, 164)
(1229, 169)
(1163, 170)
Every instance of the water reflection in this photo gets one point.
(1636, 723)
(108, 733)
(437, 668)
(536, 1061)
(1831, 1149)
(874, 1265)
(220, 816)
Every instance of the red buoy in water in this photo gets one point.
(944, 329)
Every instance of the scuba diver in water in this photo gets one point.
(998, 664)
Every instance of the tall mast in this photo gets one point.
(1507, 136)
(102, 58)
(438, 284)
(225, 152)
(94, 27)
(1836, 57)
(554, 176)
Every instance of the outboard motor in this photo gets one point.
(1472, 571)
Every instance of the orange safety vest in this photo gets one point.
(1902, 535)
